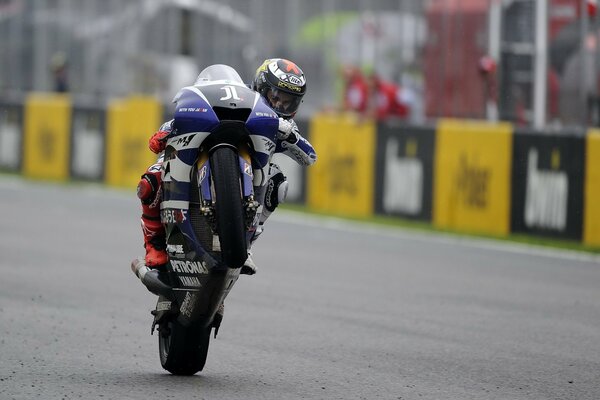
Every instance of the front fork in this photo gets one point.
(249, 203)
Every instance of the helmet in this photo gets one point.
(282, 84)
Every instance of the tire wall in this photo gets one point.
(460, 175)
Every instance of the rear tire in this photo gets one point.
(183, 350)
(231, 226)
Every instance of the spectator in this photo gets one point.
(58, 66)
(356, 90)
(388, 98)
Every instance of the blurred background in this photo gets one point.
(482, 59)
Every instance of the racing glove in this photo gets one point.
(288, 131)
(158, 141)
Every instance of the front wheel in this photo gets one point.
(229, 206)
(183, 350)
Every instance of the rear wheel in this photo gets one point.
(183, 350)
(229, 206)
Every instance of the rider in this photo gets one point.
(282, 84)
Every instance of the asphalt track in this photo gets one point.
(337, 311)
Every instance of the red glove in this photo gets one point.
(158, 141)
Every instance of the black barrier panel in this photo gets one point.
(88, 143)
(404, 171)
(11, 137)
(547, 184)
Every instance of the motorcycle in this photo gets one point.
(214, 168)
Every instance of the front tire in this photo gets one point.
(225, 167)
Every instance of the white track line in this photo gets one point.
(342, 225)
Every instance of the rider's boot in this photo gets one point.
(153, 230)
(154, 238)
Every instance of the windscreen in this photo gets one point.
(218, 72)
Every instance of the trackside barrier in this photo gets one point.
(404, 171)
(467, 176)
(11, 136)
(591, 235)
(472, 177)
(87, 143)
(130, 122)
(46, 136)
(547, 183)
(341, 181)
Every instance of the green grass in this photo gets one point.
(392, 221)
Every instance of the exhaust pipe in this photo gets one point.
(150, 278)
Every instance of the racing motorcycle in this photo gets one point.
(215, 162)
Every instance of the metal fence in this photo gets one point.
(109, 48)
(102, 49)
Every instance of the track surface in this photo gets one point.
(336, 311)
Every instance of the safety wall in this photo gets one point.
(591, 223)
(130, 123)
(457, 175)
(404, 171)
(46, 136)
(341, 182)
(472, 177)
(11, 127)
(88, 148)
(548, 177)
(460, 175)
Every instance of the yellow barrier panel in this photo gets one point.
(591, 223)
(130, 123)
(47, 132)
(472, 177)
(341, 181)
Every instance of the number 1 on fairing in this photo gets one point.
(230, 93)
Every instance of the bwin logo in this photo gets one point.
(403, 181)
(546, 196)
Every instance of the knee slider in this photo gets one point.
(277, 187)
(147, 188)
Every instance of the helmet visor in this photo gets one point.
(283, 103)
